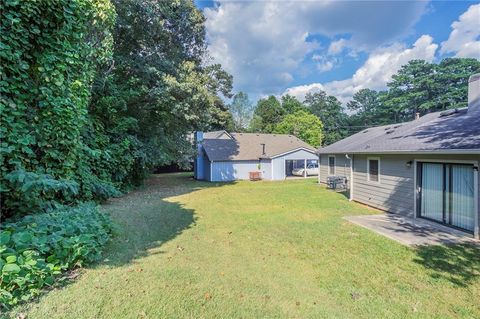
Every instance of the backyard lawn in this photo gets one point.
(188, 249)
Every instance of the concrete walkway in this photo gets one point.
(412, 232)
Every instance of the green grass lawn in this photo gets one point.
(188, 249)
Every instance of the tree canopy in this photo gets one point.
(418, 87)
(303, 125)
(241, 109)
(329, 110)
(96, 93)
(268, 113)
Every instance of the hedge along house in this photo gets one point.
(426, 168)
(223, 156)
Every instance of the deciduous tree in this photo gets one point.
(303, 125)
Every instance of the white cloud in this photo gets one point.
(254, 45)
(324, 64)
(263, 43)
(300, 91)
(464, 40)
(375, 72)
(336, 47)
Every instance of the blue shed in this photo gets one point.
(223, 156)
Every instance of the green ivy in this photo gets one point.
(50, 52)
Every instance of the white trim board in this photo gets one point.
(292, 151)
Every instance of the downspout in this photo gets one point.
(211, 170)
(351, 176)
(476, 230)
(415, 189)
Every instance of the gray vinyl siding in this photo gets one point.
(395, 191)
(342, 166)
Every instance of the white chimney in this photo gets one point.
(474, 93)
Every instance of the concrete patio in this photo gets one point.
(412, 232)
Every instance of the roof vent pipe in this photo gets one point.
(417, 116)
(263, 149)
(474, 93)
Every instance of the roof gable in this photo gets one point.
(217, 135)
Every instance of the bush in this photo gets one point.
(37, 248)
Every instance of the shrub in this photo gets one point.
(38, 192)
(37, 248)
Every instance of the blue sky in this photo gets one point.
(295, 47)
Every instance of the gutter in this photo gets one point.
(439, 152)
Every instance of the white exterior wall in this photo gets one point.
(271, 169)
(266, 169)
(237, 170)
(278, 163)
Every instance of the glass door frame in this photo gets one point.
(418, 184)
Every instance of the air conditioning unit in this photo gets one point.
(337, 182)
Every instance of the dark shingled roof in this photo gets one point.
(448, 131)
(248, 146)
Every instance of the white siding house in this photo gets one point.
(232, 156)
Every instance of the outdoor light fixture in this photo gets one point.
(409, 164)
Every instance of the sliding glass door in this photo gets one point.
(432, 191)
(447, 194)
(461, 201)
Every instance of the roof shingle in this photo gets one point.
(248, 146)
(434, 132)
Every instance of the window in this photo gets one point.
(373, 168)
(331, 165)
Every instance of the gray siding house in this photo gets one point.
(426, 168)
(223, 156)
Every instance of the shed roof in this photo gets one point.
(248, 146)
(216, 134)
(440, 132)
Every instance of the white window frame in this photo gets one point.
(368, 169)
(334, 165)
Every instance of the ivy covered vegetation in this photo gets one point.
(93, 95)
